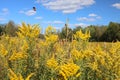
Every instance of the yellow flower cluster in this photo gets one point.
(115, 48)
(52, 63)
(50, 35)
(17, 56)
(51, 38)
(58, 48)
(68, 70)
(14, 76)
(25, 46)
(76, 54)
(81, 35)
(50, 30)
(3, 51)
(28, 31)
(93, 66)
(87, 53)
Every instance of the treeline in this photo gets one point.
(9, 29)
(107, 33)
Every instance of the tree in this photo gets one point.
(11, 28)
(96, 32)
(118, 36)
(112, 32)
(2, 29)
(66, 33)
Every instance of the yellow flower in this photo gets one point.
(52, 63)
(76, 54)
(93, 66)
(14, 76)
(87, 53)
(28, 31)
(102, 60)
(98, 51)
(50, 30)
(68, 70)
(80, 35)
(29, 76)
(115, 48)
(77, 75)
(58, 48)
(63, 74)
(17, 55)
(51, 38)
(3, 51)
(25, 46)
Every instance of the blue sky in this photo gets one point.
(55, 12)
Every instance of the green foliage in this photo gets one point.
(11, 28)
(66, 33)
(2, 28)
(112, 33)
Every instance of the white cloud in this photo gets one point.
(2, 19)
(42, 1)
(66, 6)
(116, 5)
(21, 11)
(38, 17)
(28, 12)
(81, 24)
(54, 22)
(4, 11)
(47, 22)
(37, 1)
(85, 19)
(98, 17)
(68, 11)
(58, 22)
(92, 15)
(57, 28)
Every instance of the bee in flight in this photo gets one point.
(34, 8)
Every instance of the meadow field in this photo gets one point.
(26, 57)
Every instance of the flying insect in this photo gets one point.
(34, 8)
